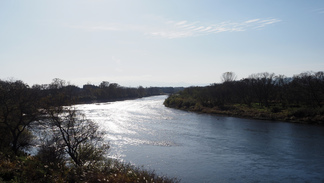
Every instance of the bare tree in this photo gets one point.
(104, 84)
(263, 84)
(18, 110)
(57, 83)
(311, 83)
(228, 77)
(78, 136)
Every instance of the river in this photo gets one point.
(209, 148)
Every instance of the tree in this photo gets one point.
(141, 91)
(311, 85)
(104, 84)
(18, 111)
(263, 84)
(57, 83)
(228, 77)
(78, 136)
(244, 91)
(281, 88)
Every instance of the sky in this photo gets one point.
(158, 42)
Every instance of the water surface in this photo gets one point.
(208, 148)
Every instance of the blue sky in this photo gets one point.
(158, 42)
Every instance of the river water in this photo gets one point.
(208, 148)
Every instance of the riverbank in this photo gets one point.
(226, 149)
(302, 115)
(26, 168)
(299, 99)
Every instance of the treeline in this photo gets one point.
(66, 146)
(103, 92)
(298, 98)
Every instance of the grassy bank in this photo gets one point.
(295, 114)
(29, 169)
(260, 96)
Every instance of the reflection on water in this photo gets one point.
(207, 148)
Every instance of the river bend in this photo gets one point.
(208, 148)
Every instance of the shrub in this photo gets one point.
(276, 109)
(303, 112)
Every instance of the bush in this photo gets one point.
(51, 155)
(32, 170)
(303, 112)
(276, 109)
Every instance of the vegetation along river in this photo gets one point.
(208, 148)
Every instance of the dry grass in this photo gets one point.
(29, 169)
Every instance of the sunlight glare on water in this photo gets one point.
(206, 148)
(126, 122)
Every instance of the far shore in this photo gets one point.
(252, 113)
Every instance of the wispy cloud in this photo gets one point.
(187, 29)
(251, 21)
(183, 29)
